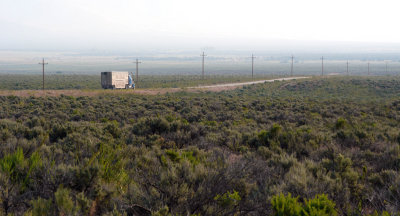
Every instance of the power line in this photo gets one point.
(43, 64)
(252, 65)
(202, 68)
(137, 72)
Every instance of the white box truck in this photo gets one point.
(116, 80)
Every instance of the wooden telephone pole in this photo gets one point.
(137, 72)
(202, 66)
(43, 64)
(322, 65)
(252, 65)
(291, 68)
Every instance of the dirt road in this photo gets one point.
(244, 83)
(77, 93)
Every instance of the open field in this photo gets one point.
(152, 91)
(334, 141)
(92, 82)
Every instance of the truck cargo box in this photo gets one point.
(114, 80)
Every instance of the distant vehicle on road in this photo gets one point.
(117, 80)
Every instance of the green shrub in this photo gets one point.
(270, 137)
(113, 129)
(42, 207)
(158, 125)
(18, 168)
(275, 131)
(384, 213)
(64, 202)
(340, 123)
(319, 206)
(173, 155)
(285, 205)
(228, 199)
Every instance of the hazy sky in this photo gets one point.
(107, 24)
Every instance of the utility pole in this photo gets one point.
(347, 67)
(368, 68)
(291, 69)
(322, 65)
(252, 65)
(202, 68)
(43, 63)
(137, 72)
